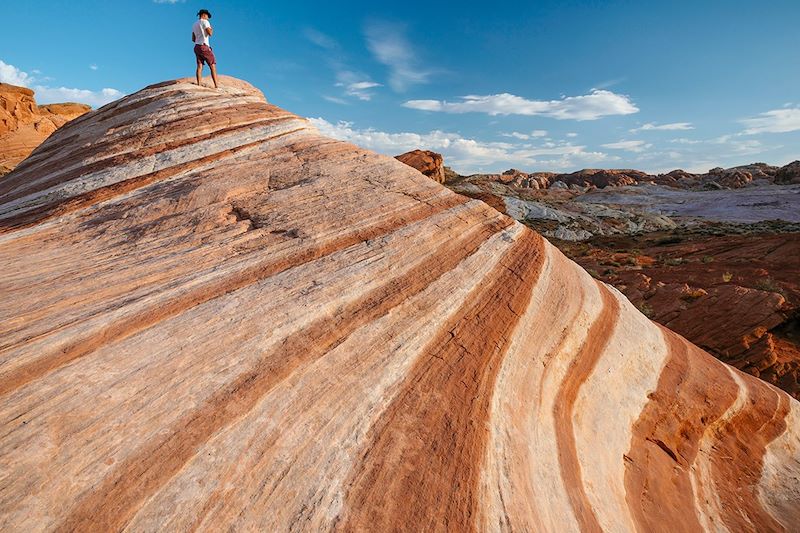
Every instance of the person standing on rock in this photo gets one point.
(201, 37)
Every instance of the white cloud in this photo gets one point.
(93, 67)
(572, 134)
(591, 106)
(630, 146)
(464, 154)
(13, 75)
(517, 135)
(356, 84)
(539, 133)
(390, 47)
(651, 126)
(684, 140)
(168, 1)
(48, 95)
(775, 121)
(362, 85)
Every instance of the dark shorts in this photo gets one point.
(204, 54)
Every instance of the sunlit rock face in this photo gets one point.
(429, 163)
(24, 125)
(215, 318)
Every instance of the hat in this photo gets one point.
(204, 12)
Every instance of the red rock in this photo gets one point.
(215, 318)
(24, 125)
(735, 179)
(748, 316)
(429, 163)
(601, 178)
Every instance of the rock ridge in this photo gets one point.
(216, 318)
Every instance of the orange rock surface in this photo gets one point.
(737, 296)
(215, 318)
(429, 163)
(24, 125)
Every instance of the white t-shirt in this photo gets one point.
(198, 29)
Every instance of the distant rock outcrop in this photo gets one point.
(601, 178)
(24, 125)
(790, 174)
(215, 318)
(592, 178)
(429, 163)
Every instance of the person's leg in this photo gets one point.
(199, 72)
(213, 67)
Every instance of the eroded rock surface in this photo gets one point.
(216, 318)
(429, 163)
(24, 125)
(737, 296)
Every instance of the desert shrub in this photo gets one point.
(646, 310)
(768, 284)
(674, 239)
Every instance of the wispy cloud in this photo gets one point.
(674, 126)
(356, 85)
(168, 1)
(727, 146)
(46, 94)
(572, 134)
(517, 135)
(737, 145)
(335, 99)
(320, 39)
(93, 67)
(592, 106)
(465, 154)
(389, 46)
(609, 83)
(776, 121)
(535, 134)
(353, 84)
(630, 146)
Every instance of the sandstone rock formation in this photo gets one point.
(789, 174)
(215, 318)
(592, 178)
(737, 296)
(24, 125)
(429, 163)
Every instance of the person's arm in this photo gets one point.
(209, 31)
(193, 36)
(207, 28)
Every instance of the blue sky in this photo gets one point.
(549, 85)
